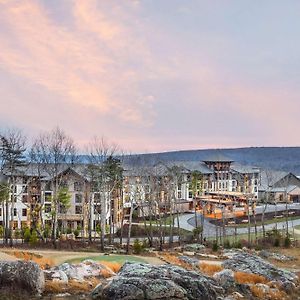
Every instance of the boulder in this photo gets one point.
(230, 253)
(56, 275)
(235, 296)
(276, 256)
(193, 247)
(189, 260)
(137, 281)
(225, 278)
(24, 275)
(70, 270)
(249, 263)
(81, 271)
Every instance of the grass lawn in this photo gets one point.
(244, 236)
(271, 221)
(121, 259)
(139, 231)
(165, 221)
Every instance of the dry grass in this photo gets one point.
(106, 273)
(257, 292)
(174, 260)
(210, 269)
(43, 262)
(260, 294)
(247, 278)
(73, 286)
(114, 266)
(55, 287)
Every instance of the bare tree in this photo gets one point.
(52, 152)
(268, 180)
(99, 151)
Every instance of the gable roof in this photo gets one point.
(217, 157)
(244, 169)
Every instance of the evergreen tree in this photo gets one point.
(12, 152)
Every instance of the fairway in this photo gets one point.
(121, 259)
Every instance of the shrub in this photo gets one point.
(47, 231)
(76, 233)
(1, 231)
(210, 269)
(227, 244)
(27, 235)
(215, 246)
(18, 233)
(137, 246)
(69, 230)
(238, 244)
(145, 244)
(248, 278)
(197, 231)
(98, 228)
(276, 242)
(287, 241)
(33, 238)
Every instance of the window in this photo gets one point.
(24, 212)
(64, 184)
(48, 186)
(96, 197)
(48, 196)
(97, 209)
(78, 198)
(47, 208)
(15, 212)
(24, 198)
(78, 210)
(78, 186)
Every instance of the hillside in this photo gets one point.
(277, 158)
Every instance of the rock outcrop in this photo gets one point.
(79, 272)
(22, 275)
(137, 281)
(249, 263)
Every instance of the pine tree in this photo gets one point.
(12, 150)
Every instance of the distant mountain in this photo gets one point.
(277, 158)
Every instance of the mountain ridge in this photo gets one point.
(277, 158)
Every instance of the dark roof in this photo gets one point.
(217, 157)
(244, 169)
(190, 166)
(268, 178)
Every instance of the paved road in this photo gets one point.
(187, 222)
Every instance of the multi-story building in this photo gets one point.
(33, 200)
(150, 189)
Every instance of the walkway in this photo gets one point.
(187, 222)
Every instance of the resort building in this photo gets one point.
(214, 186)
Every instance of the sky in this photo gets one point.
(153, 75)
